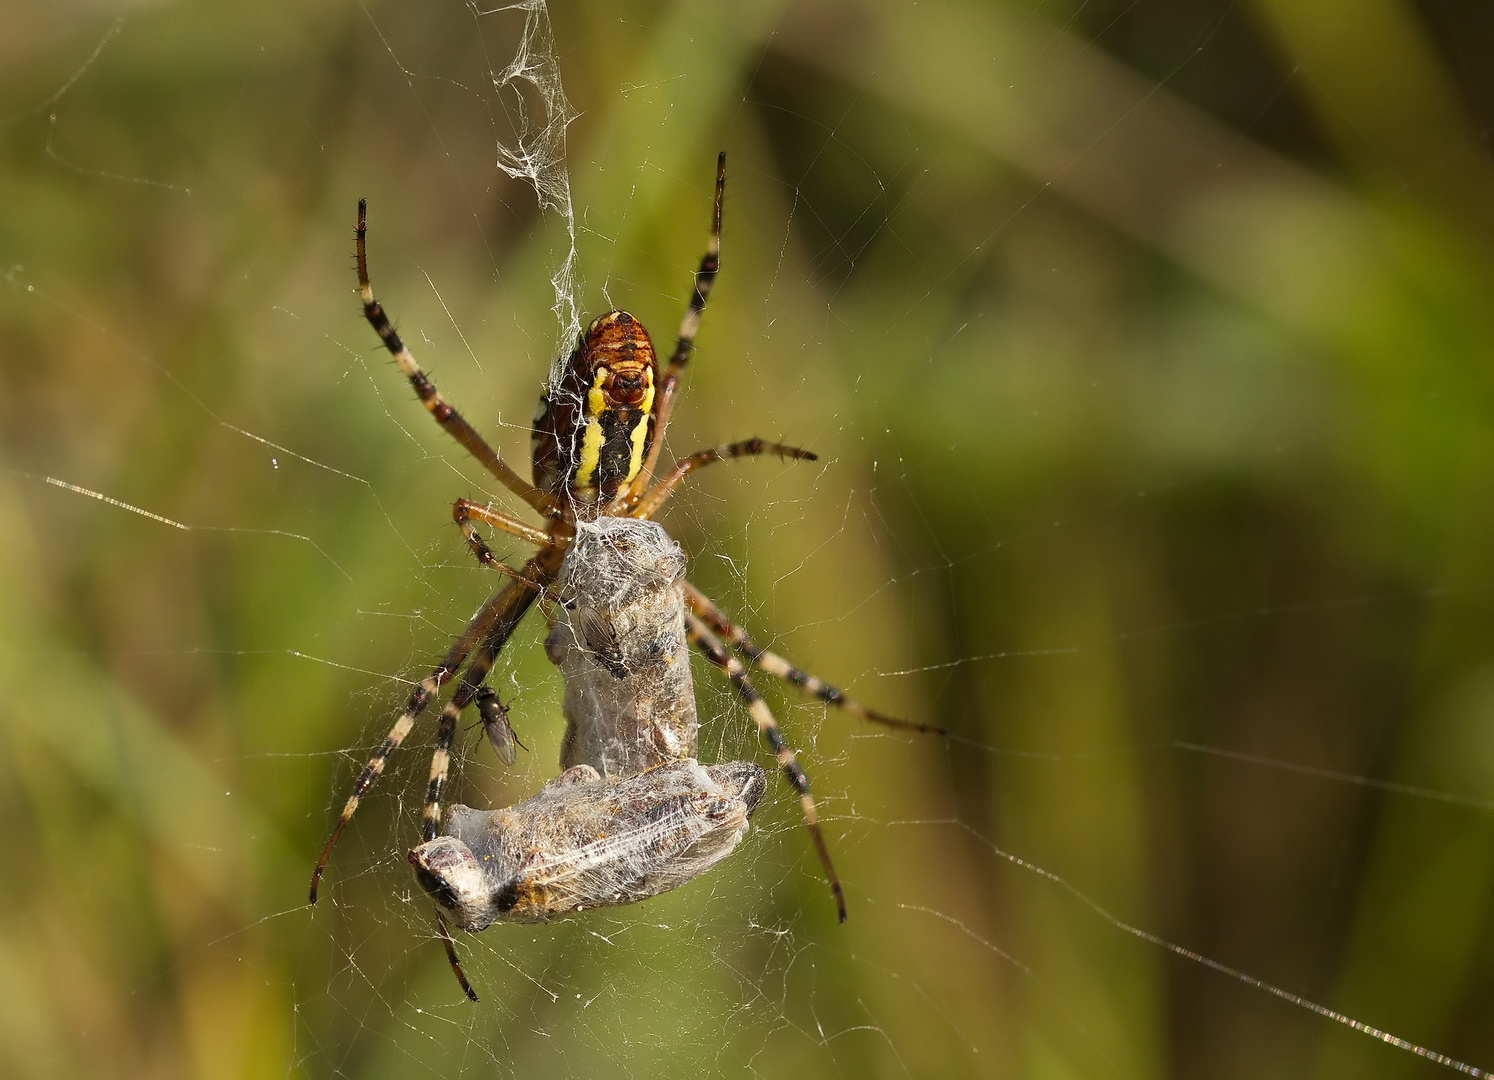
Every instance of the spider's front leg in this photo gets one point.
(780, 668)
(491, 626)
(538, 574)
(707, 642)
(463, 513)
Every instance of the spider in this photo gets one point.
(598, 433)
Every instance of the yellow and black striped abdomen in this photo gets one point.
(594, 426)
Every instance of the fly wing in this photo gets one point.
(599, 637)
(495, 725)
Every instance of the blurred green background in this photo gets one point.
(1147, 349)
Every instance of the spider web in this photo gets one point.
(536, 153)
(1151, 426)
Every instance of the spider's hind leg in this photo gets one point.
(452, 421)
(669, 382)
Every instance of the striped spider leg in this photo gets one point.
(705, 621)
(455, 425)
(487, 632)
(705, 278)
(496, 620)
(702, 638)
(776, 666)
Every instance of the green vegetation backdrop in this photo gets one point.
(1147, 348)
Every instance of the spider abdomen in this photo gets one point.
(594, 425)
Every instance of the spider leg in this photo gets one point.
(454, 423)
(656, 495)
(441, 761)
(780, 668)
(498, 616)
(451, 957)
(705, 277)
(540, 570)
(463, 513)
(702, 638)
(466, 509)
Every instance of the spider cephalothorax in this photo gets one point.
(595, 423)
